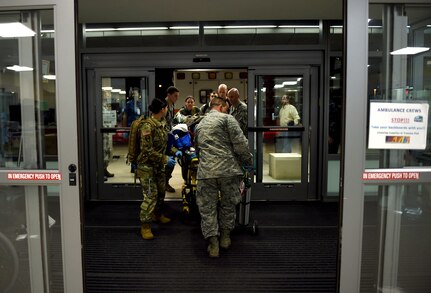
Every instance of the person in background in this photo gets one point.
(172, 95)
(222, 149)
(206, 107)
(288, 116)
(187, 111)
(222, 91)
(238, 109)
(133, 106)
(151, 167)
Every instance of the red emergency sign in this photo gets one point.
(33, 176)
(390, 176)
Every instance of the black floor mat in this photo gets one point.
(280, 258)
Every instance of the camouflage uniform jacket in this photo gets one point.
(170, 116)
(240, 114)
(221, 145)
(154, 140)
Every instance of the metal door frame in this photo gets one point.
(289, 191)
(96, 188)
(249, 60)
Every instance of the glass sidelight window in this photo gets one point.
(27, 91)
(31, 224)
(397, 216)
(25, 237)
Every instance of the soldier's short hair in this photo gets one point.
(217, 101)
(172, 90)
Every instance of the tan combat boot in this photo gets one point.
(213, 249)
(225, 241)
(162, 219)
(146, 232)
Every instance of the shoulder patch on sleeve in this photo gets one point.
(145, 129)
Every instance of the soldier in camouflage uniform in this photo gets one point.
(151, 166)
(172, 94)
(238, 109)
(222, 149)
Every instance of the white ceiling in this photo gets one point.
(114, 11)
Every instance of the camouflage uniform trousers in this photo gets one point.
(107, 149)
(153, 190)
(217, 199)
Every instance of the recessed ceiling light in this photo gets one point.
(19, 68)
(410, 51)
(15, 30)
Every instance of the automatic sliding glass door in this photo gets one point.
(282, 116)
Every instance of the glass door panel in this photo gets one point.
(281, 133)
(281, 103)
(40, 243)
(120, 98)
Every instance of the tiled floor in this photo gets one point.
(122, 173)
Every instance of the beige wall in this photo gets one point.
(189, 86)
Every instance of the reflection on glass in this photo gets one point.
(280, 103)
(124, 99)
(22, 238)
(408, 80)
(399, 214)
(28, 116)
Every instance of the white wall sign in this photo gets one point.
(398, 126)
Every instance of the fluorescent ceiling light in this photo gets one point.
(183, 27)
(213, 26)
(15, 30)
(298, 26)
(409, 51)
(250, 26)
(19, 68)
(47, 31)
(142, 28)
(111, 29)
(107, 88)
(122, 92)
(116, 90)
(49, 77)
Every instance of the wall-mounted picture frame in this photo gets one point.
(228, 75)
(212, 75)
(204, 95)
